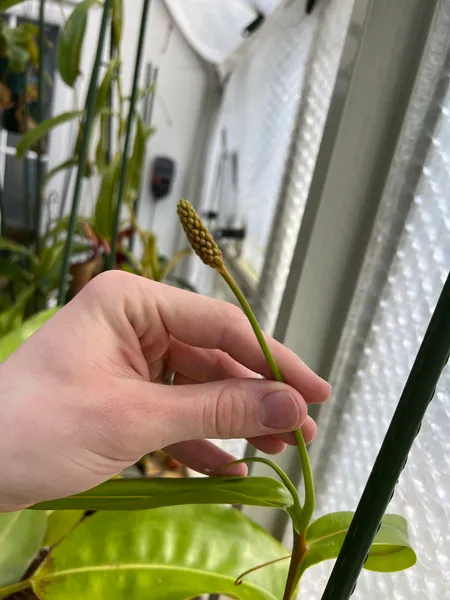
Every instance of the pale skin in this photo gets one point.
(84, 397)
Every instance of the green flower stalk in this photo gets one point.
(207, 249)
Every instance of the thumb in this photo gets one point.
(235, 408)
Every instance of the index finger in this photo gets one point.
(208, 323)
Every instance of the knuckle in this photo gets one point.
(230, 415)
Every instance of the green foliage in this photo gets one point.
(5, 4)
(60, 524)
(21, 537)
(18, 45)
(10, 342)
(165, 554)
(70, 43)
(391, 549)
(12, 317)
(29, 139)
(134, 172)
(106, 199)
(117, 23)
(138, 494)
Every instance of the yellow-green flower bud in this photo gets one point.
(199, 237)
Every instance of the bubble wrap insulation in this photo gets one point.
(330, 33)
(414, 281)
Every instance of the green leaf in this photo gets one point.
(33, 135)
(49, 268)
(70, 43)
(11, 246)
(106, 199)
(5, 4)
(13, 316)
(21, 537)
(67, 164)
(9, 343)
(390, 551)
(117, 23)
(60, 524)
(103, 90)
(102, 146)
(138, 494)
(165, 554)
(14, 272)
(136, 161)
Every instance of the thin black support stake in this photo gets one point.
(131, 113)
(26, 162)
(150, 82)
(82, 159)
(417, 395)
(40, 117)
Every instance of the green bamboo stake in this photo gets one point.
(111, 260)
(417, 395)
(87, 126)
(40, 117)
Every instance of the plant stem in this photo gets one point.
(110, 263)
(89, 117)
(7, 591)
(262, 566)
(306, 513)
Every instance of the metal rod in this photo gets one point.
(146, 119)
(150, 80)
(40, 117)
(26, 163)
(111, 259)
(87, 126)
(405, 425)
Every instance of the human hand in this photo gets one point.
(84, 398)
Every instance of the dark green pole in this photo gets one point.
(417, 394)
(110, 263)
(86, 128)
(40, 118)
(26, 163)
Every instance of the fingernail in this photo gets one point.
(279, 410)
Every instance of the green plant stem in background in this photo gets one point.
(111, 260)
(299, 547)
(9, 590)
(88, 120)
(40, 117)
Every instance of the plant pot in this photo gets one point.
(83, 272)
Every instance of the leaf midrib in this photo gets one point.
(142, 566)
(330, 535)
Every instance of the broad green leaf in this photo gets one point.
(60, 524)
(138, 494)
(12, 317)
(117, 23)
(33, 135)
(14, 272)
(21, 537)
(165, 554)
(70, 43)
(106, 199)
(137, 159)
(390, 551)
(9, 343)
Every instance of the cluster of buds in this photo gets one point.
(199, 237)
